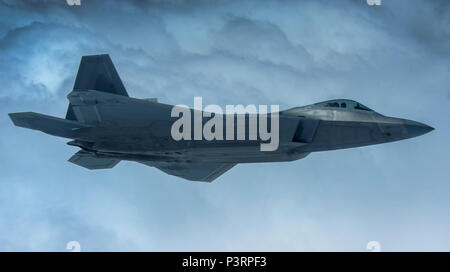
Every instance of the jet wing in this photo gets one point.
(206, 172)
(90, 161)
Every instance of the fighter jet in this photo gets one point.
(109, 126)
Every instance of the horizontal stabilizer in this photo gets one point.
(45, 123)
(90, 161)
(206, 172)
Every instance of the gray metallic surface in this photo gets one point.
(109, 126)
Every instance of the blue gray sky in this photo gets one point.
(394, 58)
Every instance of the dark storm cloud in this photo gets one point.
(395, 58)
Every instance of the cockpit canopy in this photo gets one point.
(343, 104)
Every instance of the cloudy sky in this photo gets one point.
(394, 58)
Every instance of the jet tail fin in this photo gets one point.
(45, 123)
(97, 72)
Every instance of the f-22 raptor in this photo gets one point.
(109, 126)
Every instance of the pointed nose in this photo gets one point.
(415, 129)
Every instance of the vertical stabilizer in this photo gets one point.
(97, 72)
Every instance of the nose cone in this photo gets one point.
(415, 129)
(395, 129)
